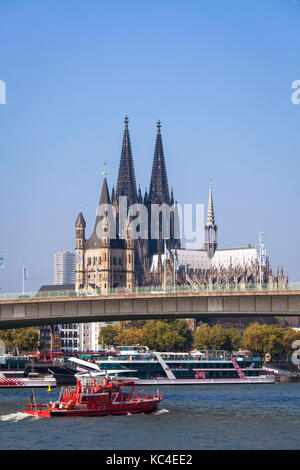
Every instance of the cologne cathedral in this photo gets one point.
(104, 262)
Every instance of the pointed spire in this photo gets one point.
(159, 189)
(139, 197)
(172, 197)
(80, 222)
(210, 229)
(104, 198)
(210, 210)
(113, 195)
(146, 197)
(126, 185)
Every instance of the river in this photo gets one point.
(189, 417)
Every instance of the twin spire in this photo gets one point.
(126, 186)
(159, 189)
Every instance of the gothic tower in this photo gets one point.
(126, 185)
(159, 194)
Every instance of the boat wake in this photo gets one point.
(14, 417)
(161, 412)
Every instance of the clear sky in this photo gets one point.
(217, 74)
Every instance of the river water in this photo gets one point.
(189, 417)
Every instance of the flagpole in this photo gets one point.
(165, 268)
(23, 286)
(174, 271)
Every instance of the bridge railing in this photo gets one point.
(148, 290)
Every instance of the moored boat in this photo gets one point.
(96, 398)
(145, 367)
(33, 380)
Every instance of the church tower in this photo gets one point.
(159, 194)
(126, 185)
(80, 248)
(210, 229)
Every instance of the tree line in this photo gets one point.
(174, 335)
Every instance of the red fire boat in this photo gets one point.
(95, 399)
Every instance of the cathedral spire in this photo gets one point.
(126, 185)
(210, 221)
(210, 229)
(159, 189)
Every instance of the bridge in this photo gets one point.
(39, 309)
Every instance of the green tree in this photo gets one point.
(130, 336)
(167, 335)
(253, 338)
(233, 339)
(289, 337)
(7, 336)
(26, 339)
(202, 337)
(110, 335)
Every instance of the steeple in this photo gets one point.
(104, 198)
(159, 189)
(94, 240)
(126, 185)
(80, 222)
(210, 221)
(210, 229)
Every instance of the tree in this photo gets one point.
(26, 339)
(202, 337)
(233, 339)
(216, 337)
(253, 338)
(167, 335)
(289, 337)
(110, 335)
(264, 339)
(7, 336)
(130, 336)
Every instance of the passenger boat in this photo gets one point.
(101, 398)
(145, 367)
(33, 380)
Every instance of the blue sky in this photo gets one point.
(217, 74)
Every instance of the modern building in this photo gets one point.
(64, 268)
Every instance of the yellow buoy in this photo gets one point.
(49, 389)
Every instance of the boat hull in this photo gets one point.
(114, 409)
(267, 379)
(26, 382)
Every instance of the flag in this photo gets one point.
(96, 268)
(263, 254)
(79, 258)
(167, 254)
(25, 273)
(1, 262)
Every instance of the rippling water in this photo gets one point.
(189, 417)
